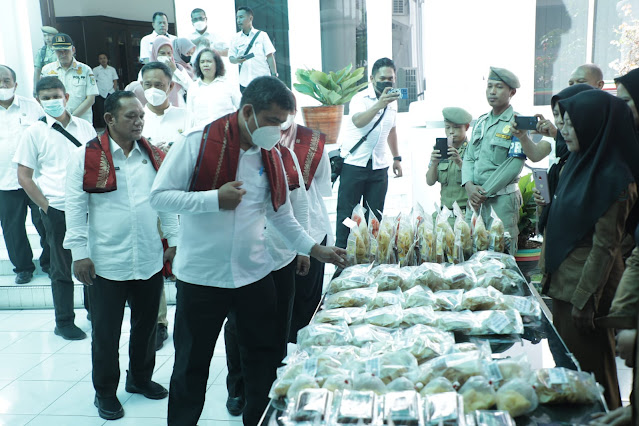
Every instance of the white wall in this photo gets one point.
(136, 10)
(379, 25)
(305, 43)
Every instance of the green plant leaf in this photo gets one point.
(319, 78)
(330, 96)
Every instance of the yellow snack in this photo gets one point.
(477, 400)
(481, 235)
(512, 401)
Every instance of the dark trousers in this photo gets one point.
(355, 183)
(308, 294)
(285, 287)
(242, 89)
(61, 282)
(199, 315)
(13, 215)
(98, 112)
(107, 313)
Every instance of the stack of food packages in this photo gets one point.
(382, 349)
(415, 238)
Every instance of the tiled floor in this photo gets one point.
(46, 381)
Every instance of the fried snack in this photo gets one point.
(393, 365)
(560, 385)
(437, 385)
(388, 277)
(323, 335)
(301, 382)
(430, 275)
(517, 397)
(455, 367)
(459, 277)
(337, 315)
(448, 300)
(463, 241)
(388, 298)
(352, 277)
(426, 239)
(478, 394)
(405, 241)
(445, 243)
(419, 296)
(351, 298)
(504, 258)
(463, 322)
(480, 235)
(285, 377)
(385, 241)
(481, 299)
(358, 243)
(389, 316)
(497, 242)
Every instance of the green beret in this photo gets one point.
(502, 74)
(49, 30)
(457, 115)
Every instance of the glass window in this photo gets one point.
(616, 38)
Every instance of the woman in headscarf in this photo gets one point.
(162, 51)
(586, 223)
(183, 49)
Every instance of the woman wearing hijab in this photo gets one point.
(183, 49)
(585, 225)
(162, 51)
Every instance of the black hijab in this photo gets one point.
(561, 150)
(631, 82)
(595, 176)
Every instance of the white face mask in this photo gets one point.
(288, 123)
(155, 97)
(7, 93)
(53, 107)
(200, 25)
(265, 137)
(164, 59)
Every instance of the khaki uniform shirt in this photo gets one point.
(449, 175)
(44, 56)
(79, 81)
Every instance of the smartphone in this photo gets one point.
(403, 93)
(526, 123)
(249, 56)
(442, 145)
(541, 183)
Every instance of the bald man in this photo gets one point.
(589, 74)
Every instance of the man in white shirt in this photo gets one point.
(163, 122)
(77, 77)
(202, 38)
(118, 251)
(227, 181)
(163, 125)
(251, 49)
(107, 80)
(160, 28)
(43, 153)
(365, 171)
(17, 113)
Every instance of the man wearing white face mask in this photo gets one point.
(163, 122)
(44, 152)
(202, 38)
(227, 181)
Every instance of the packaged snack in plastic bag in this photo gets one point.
(430, 275)
(323, 335)
(356, 276)
(400, 384)
(499, 371)
(421, 315)
(367, 382)
(301, 382)
(389, 316)
(463, 322)
(419, 296)
(337, 382)
(388, 298)
(388, 277)
(445, 409)
(456, 367)
(405, 240)
(425, 342)
(481, 236)
(459, 277)
(351, 298)
(517, 397)
(505, 258)
(478, 394)
(311, 405)
(448, 300)
(402, 408)
(526, 306)
(355, 407)
(497, 241)
(285, 377)
(373, 231)
(463, 241)
(481, 299)
(498, 322)
(561, 385)
(337, 315)
(492, 418)
(445, 237)
(368, 333)
(386, 241)
(425, 236)
(358, 243)
(437, 385)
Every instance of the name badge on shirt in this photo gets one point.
(503, 136)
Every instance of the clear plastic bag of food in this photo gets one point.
(445, 409)
(498, 322)
(422, 315)
(323, 335)
(311, 405)
(425, 236)
(492, 418)
(405, 240)
(503, 370)
(481, 299)
(459, 277)
(419, 296)
(351, 298)
(481, 236)
(430, 275)
(462, 322)
(425, 342)
(400, 384)
(561, 385)
(356, 407)
(437, 385)
(285, 377)
(356, 276)
(505, 258)
(337, 315)
(518, 397)
(367, 382)
(456, 367)
(373, 231)
(368, 333)
(497, 241)
(388, 277)
(338, 382)
(386, 241)
(526, 306)
(478, 394)
(388, 298)
(463, 240)
(448, 300)
(392, 365)
(402, 408)
(358, 243)
(301, 382)
(445, 237)
(389, 316)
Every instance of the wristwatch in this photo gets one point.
(398, 158)
(275, 75)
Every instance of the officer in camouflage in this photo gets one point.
(494, 159)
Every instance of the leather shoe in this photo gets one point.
(109, 408)
(161, 335)
(70, 332)
(235, 405)
(24, 277)
(150, 390)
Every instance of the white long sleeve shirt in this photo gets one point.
(320, 226)
(121, 235)
(282, 255)
(223, 248)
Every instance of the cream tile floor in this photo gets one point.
(46, 381)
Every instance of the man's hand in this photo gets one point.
(622, 416)
(584, 319)
(84, 271)
(515, 131)
(626, 346)
(303, 265)
(334, 255)
(435, 156)
(45, 208)
(546, 127)
(539, 200)
(386, 98)
(169, 254)
(230, 195)
(453, 154)
(476, 195)
(397, 168)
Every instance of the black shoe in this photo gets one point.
(46, 270)
(235, 406)
(24, 277)
(109, 408)
(149, 390)
(161, 336)
(89, 316)
(70, 332)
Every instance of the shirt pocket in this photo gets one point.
(442, 172)
(499, 150)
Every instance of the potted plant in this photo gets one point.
(528, 251)
(332, 90)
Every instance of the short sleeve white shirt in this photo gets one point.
(104, 78)
(206, 103)
(165, 128)
(146, 44)
(207, 39)
(256, 66)
(79, 82)
(14, 121)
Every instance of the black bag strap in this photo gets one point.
(56, 126)
(248, 48)
(363, 139)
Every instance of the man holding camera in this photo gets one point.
(494, 159)
(373, 114)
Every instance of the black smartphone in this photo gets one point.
(442, 145)
(526, 123)
(403, 93)
(249, 56)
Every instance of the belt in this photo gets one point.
(508, 189)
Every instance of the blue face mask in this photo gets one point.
(53, 107)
